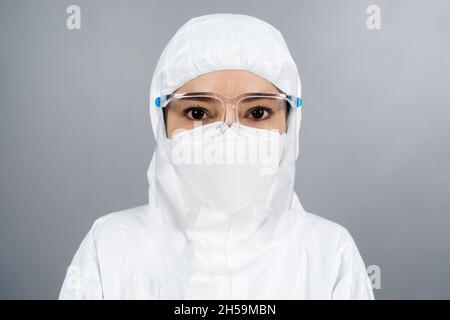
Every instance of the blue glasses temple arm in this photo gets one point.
(159, 101)
(297, 100)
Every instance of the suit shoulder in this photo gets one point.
(324, 230)
(121, 222)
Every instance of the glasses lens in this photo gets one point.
(187, 112)
(263, 112)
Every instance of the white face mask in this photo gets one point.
(225, 168)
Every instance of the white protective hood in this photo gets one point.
(169, 249)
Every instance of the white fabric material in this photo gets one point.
(187, 242)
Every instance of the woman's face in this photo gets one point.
(227, 83)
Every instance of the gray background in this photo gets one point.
(76, 141)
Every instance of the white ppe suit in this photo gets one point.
(259, 246)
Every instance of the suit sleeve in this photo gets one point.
(82, 280)
(352, 281)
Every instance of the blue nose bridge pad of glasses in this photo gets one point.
(299, 102)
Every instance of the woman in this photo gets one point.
(223, 220)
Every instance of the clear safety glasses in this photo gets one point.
(259, 109)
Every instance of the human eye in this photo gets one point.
(195, 113)
(259, 113)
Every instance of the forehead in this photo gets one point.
(229, 83)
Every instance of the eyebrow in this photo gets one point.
(204, 99)
(255, 98)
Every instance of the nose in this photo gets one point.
(229, 114)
